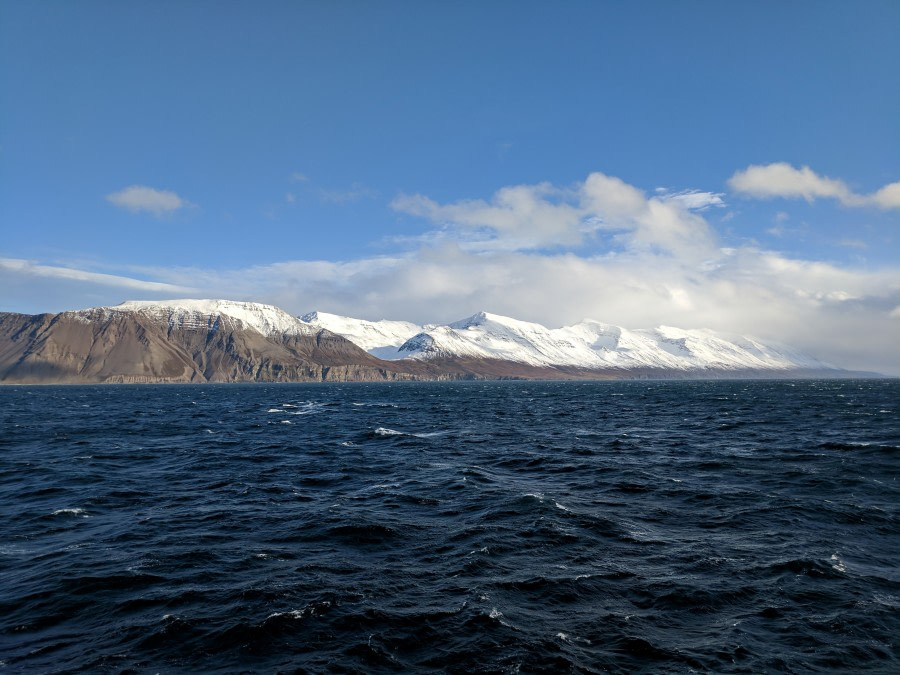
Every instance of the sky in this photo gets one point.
(732, 166)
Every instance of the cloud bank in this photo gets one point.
(543, 216)
(143, 199)
(783, 180)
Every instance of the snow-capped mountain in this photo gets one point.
(228, 341)
(193, 314)
(179, 341)
(380, 338)
(589, 345)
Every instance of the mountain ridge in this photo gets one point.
(589, 344)
(171, 342)
(230, 341)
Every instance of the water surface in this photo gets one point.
(655, 526)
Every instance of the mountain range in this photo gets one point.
(590, 345)
(229, 341)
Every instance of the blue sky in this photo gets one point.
(699, 163)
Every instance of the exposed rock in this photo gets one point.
(128, 346)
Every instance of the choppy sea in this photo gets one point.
(480, 527)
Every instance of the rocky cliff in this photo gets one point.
(107, 346)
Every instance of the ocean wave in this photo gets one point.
(451, 527)
(385, 432)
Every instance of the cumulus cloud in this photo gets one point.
(888, 197)
(543, 216)
(523, 216)
(783, 180)
(780, 179)
(140, 198)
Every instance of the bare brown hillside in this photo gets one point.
(130, 347)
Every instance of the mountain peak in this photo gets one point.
(476, 319)
(205, 306)
(483, 318)
(379, 338)
(589, 345)
(199, 313)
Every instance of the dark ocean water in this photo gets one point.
(534, 527)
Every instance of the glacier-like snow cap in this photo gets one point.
(194, 313)
(589, 344)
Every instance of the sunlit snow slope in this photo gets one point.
(589, 344)
(266, 319)
(380, 338)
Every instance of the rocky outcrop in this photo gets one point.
(126, 347)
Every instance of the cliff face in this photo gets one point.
(127, 346)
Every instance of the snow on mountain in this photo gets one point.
(193, 314)
(589, 345)
(379, 338)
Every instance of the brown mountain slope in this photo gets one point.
(130, 347)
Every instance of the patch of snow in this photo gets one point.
(594, 345)
(206, 314)
(380, 338)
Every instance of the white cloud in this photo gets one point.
(783, 180)
(780, 179)
(25, 268)
(298, 177)
(140, 198)
(30, 287)
(888, 197)
(523, 217)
